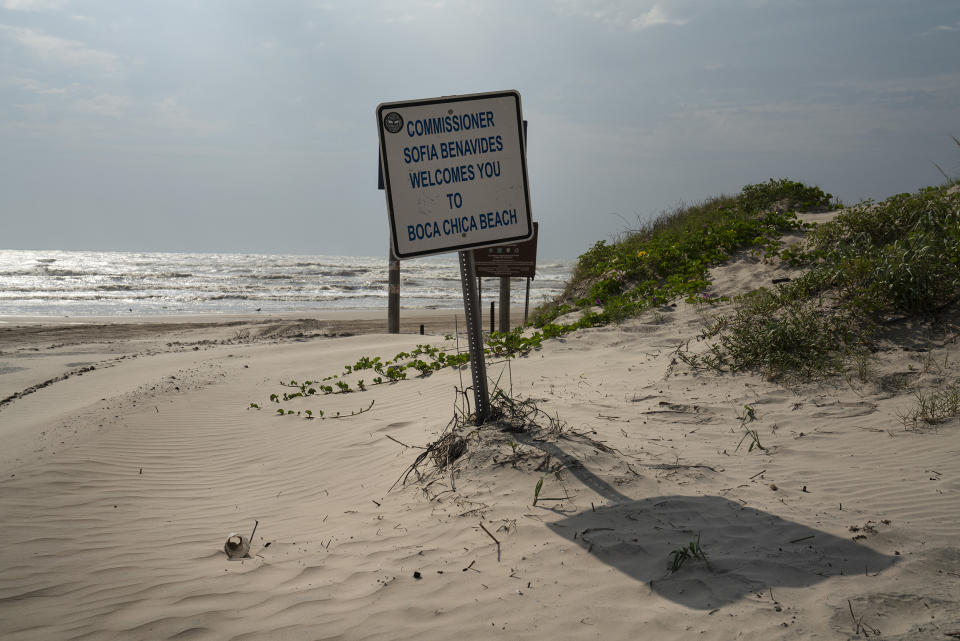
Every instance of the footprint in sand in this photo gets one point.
(845, 410)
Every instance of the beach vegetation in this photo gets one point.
(932, 407)
(754, 440)
(749, 416)
(873, 267)
(536, 491)
(311, 415)
(648, 267)
(951, 180)
(669, 258)
(684, 553)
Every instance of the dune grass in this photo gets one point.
(874, 265)
(932, 407)
(669, 257)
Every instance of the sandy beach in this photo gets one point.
(131, 451)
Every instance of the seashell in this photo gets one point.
(237, 546)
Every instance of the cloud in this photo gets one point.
(104, 105)
(389, 12)
(655, 16)
(167, 113)
(31, 5)
(619, 13)
(34, 86)
(942, 28)
(70, 52)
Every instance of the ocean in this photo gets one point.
(87, 283)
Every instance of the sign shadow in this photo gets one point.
(745, 550)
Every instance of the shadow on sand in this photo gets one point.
(747, 550)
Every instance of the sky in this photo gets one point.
(243, 126)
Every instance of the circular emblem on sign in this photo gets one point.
(393, 122)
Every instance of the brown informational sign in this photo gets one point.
(514, 260)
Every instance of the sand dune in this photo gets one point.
(121, 483)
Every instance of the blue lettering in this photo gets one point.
(416, 154)
(492, 219)
(442, 176)
(489, 169)
(423, 230)
(459, 225)
(420, 179)
(449, 124)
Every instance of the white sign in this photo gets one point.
(454, 172)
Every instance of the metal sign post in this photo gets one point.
(471, 309)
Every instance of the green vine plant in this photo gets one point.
(424, 359)
(309, 414)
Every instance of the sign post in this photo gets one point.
(393, 279)
(393, 295)
(455, 178)
(472, 312)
